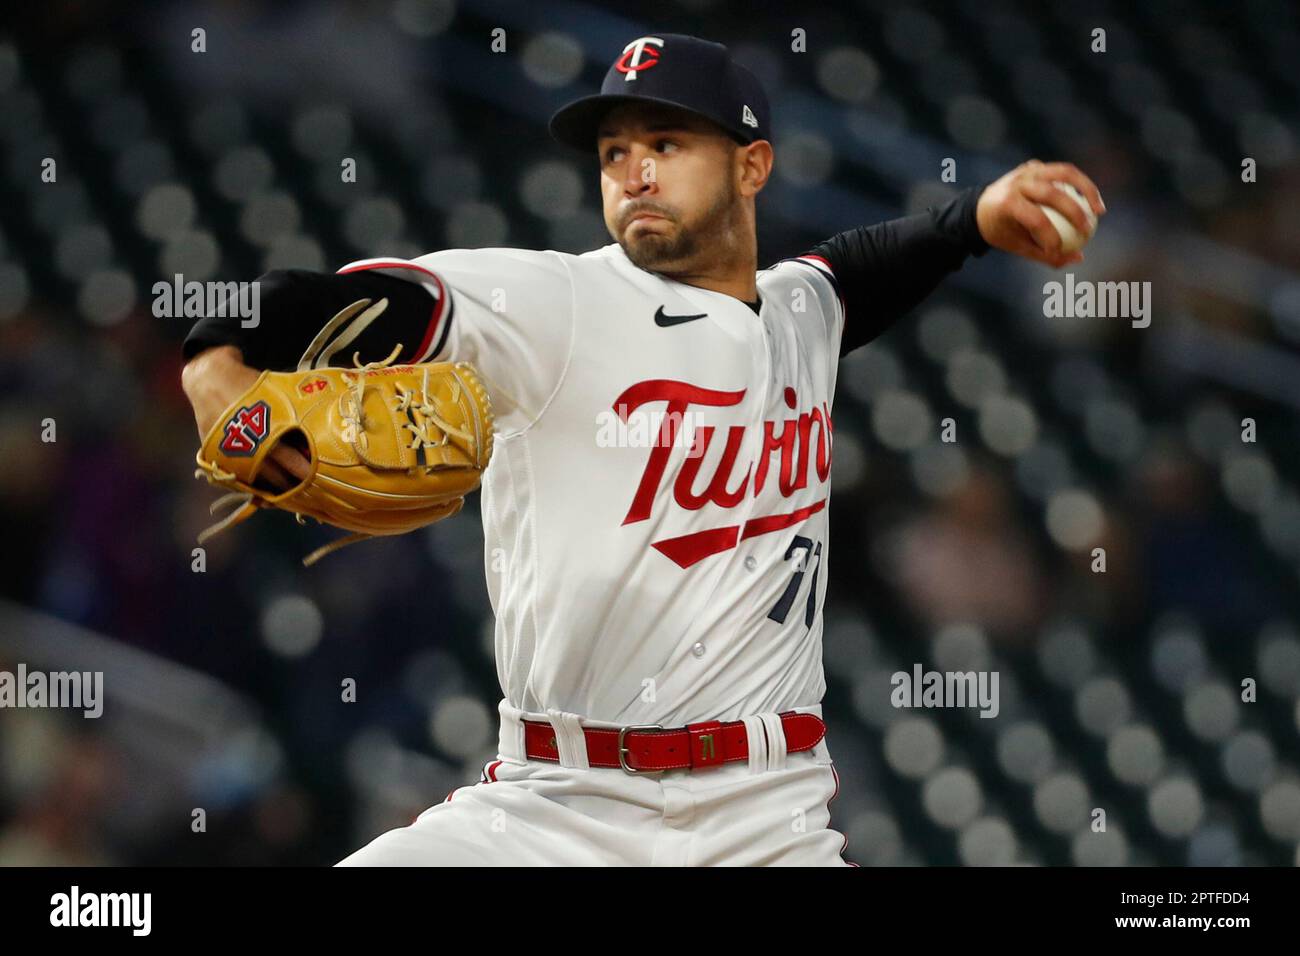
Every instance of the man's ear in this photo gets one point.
(755, 166)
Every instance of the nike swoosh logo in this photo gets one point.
(667, 321)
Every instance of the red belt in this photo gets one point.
(647, 748)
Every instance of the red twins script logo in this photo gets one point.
(794, 442)
(246, 429)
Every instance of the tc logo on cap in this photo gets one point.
(638, 55)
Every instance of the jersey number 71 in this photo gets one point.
(782, 607)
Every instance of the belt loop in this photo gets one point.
(757, 738)
(776, 752)
(510, 738)
(570, 741)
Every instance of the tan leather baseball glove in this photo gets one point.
(391, 448)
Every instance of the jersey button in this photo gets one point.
(698, 649)
(751, 563)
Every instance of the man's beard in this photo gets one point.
(655, 252)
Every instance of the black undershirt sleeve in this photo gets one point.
(294, 304)
(884, 270)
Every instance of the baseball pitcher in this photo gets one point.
(653, 429)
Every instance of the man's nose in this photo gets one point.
(639, 176)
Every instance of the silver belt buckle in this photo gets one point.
(623, 751)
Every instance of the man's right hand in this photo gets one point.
(212, 380)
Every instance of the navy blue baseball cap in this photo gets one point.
(674, 70)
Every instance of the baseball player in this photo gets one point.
(656, 511)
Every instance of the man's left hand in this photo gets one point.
(1009, 218)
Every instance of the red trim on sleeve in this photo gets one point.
(820, 259)
(822, 262)
(435, 323)
(439, 305)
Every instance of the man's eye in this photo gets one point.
(610, 154)
(666, 142)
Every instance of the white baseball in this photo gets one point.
(1071, 241)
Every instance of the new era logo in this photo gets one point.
(748, 118)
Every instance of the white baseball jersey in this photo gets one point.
(656, 510)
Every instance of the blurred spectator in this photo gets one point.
(969, 560)
(60, 822)
(1193, 560)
